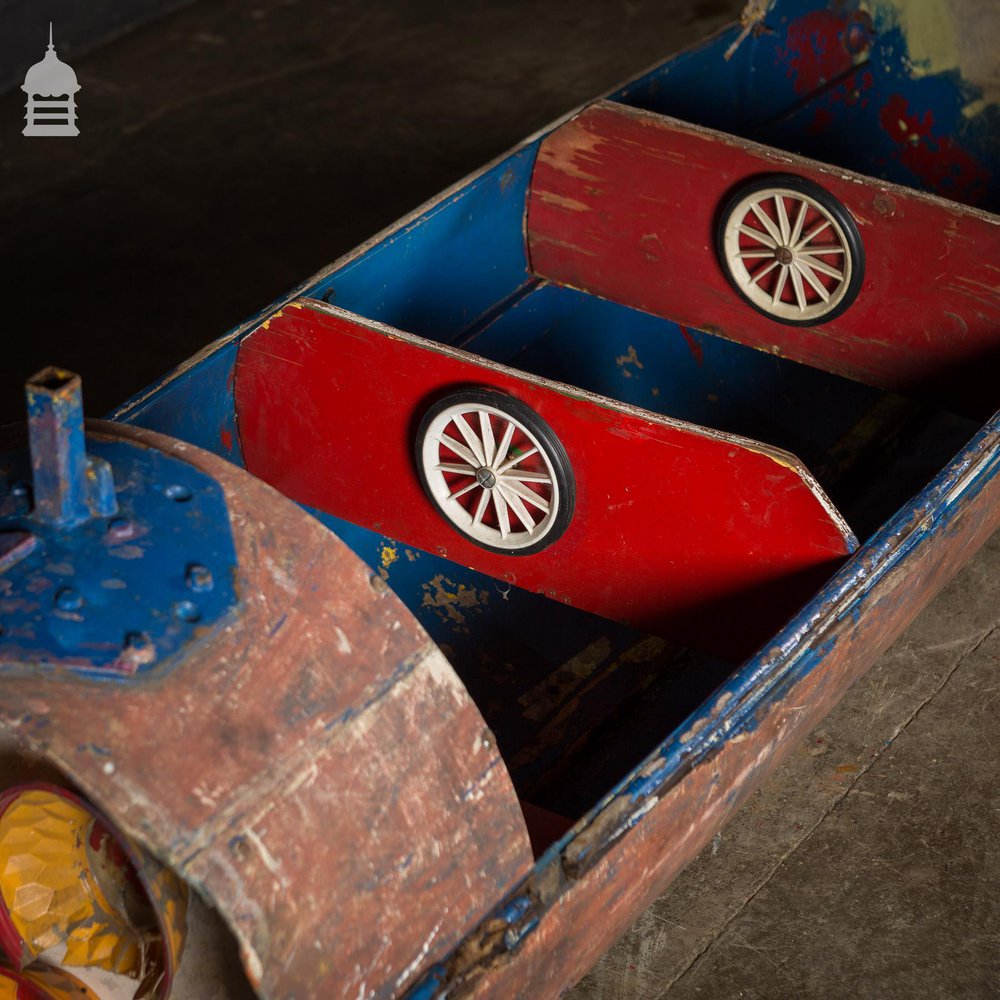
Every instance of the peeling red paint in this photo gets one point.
(696, 352)
(939, 164)
(822, 120)
(816, 52)
(847, 94)
(646, 169)
(226, 438)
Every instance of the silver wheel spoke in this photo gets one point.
(818, 265)
(759, 236)
(763, 271)
(486, 433)
(518, 507)
(771, 228)
(513, 486)
(800, 292)
(755, 253)
(812, 234)
(817, 285)
(511, 462)
(819, 251)
(475, 445)
(502, 517)
(461, 470)
(783, 226)
(504, 445)
(481, 508)
(463, 491)
(459, 449)
(779, 286)
(528, 477)
(799, 221)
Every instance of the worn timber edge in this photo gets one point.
(620, 856)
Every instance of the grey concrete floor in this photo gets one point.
(231, 149)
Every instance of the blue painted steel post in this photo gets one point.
(58, 453)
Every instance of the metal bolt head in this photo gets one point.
(68, 599)
(186, 611)
(120, 529)
(137, 650)
(199, 578)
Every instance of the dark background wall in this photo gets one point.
(78, 26)
(232, 148)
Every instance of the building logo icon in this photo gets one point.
(51, 87)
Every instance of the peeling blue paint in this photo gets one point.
(512, 911)
(112, 598)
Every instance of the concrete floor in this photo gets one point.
(231, 149)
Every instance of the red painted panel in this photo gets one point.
(677, 530)
(623, 204)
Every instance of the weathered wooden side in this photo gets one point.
(676, 529)
(314, 766)
(624, 203)
(547, 936)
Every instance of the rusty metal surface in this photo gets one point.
(314, 767)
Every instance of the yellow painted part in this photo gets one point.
(8, 988)
(50, 891)
(58, 984)
(929, 26)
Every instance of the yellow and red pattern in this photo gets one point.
(73, 893)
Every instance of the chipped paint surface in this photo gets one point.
(698, 778)
(817, 52)
(894, 336)
(934, 157)
(454, 602)
(303, 713)
(629, 361)
(153, 578)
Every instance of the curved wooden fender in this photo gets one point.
(313, 766)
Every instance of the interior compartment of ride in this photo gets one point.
(851, 84)
(577, 700)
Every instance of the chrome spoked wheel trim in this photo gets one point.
(793, 254)
(494, 477)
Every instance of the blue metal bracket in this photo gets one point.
(113, 556)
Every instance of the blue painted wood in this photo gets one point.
(881, 121)
(194, 404)
(467, 612)
(439, 274)
(115, 597)
(833, 84)
(573, 337)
